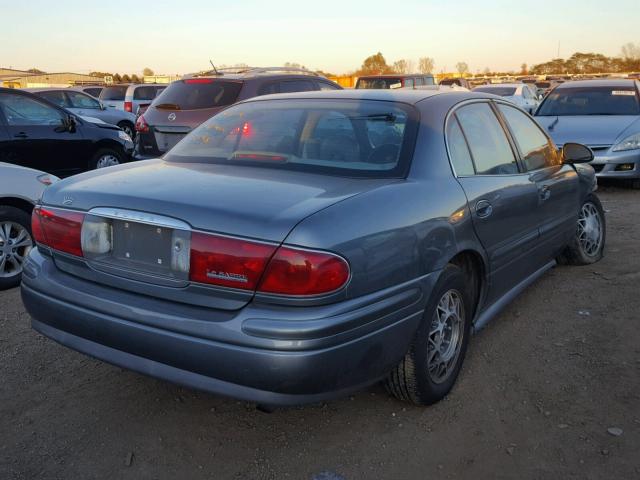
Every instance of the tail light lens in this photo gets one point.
(294, 271)
(128, 106)
(141, 125)
(247, 265)
(58, 229)
(228, 262)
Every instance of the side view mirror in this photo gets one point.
(102, 106)
(576, 153)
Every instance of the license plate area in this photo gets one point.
(141, 251)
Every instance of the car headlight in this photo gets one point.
(632, 142)
(124, 136)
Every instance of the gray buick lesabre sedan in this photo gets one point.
(297, 247)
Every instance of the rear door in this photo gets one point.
(37, 137)
(557, 184)
(502, 199)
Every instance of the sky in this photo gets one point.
(334, 36)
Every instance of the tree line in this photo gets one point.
(124, 78)
(585, 63)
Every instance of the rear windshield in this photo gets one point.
(347, 138)
(501, 91)
(117, 92)
(145, 93)
(198, 93)
(543, 84)
(451, 81)
(379, 83)
(611, 100)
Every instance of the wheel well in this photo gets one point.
(472, 265)
(17, 203)
(107, 144)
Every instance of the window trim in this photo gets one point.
(515, 142)
(452, 111)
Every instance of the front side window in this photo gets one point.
(537, 151)
(612, 100)
(429, 81)
(379, 83)
(349, 138)
(408, 82)
(21, 110)
(80, 100)
(487, 140)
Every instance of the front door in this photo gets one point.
(38, 137)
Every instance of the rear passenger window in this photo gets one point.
(458, 150)
(537, 151)
(296, 86)
(408, 82)
(419, 81)
(490, 149)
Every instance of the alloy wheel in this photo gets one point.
(15, 243)
(445, 336)
(107, 160)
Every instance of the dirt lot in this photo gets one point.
(541, 386)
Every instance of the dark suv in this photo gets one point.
(187, 103)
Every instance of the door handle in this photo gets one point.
(21, 135)
(545, 193)
(483, 208)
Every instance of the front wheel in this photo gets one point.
(587, 245)
(431, 366)
(105, 157)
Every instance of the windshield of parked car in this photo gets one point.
(198, 93)
(501, 91)
(610, 100)
(379, 83)
(349, 138)
(116, 92)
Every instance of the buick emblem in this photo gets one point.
(172, 116)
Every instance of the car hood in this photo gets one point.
(246, 201)
(588, 129)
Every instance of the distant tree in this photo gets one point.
(117, 78)
(486, 71)
(126, 78)
(135, 78)
(147, 72)
(100, 74)
(462, 68)
(426, 64)
(523, 69)
(374, 65)
(35, 70)
(403, 66)
(631, 51)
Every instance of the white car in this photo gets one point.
(523, 95)
(20, 189)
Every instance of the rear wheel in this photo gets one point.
(106, 157)
(587, 245)
(430, 368)
(15, 243)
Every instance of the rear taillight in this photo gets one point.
(128, 106)
(248, 265)
(294, 271)
(58, 229)
(228, 262)
(141, 125)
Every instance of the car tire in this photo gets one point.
(106, 157)
(418, 378)
(14, 223)
(587, 245)
(128, 128)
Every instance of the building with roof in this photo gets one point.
(21, 79)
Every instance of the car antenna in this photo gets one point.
(214, 67)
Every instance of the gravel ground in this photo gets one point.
(543, 390)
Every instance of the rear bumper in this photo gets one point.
(285, 359)
(610, 164)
